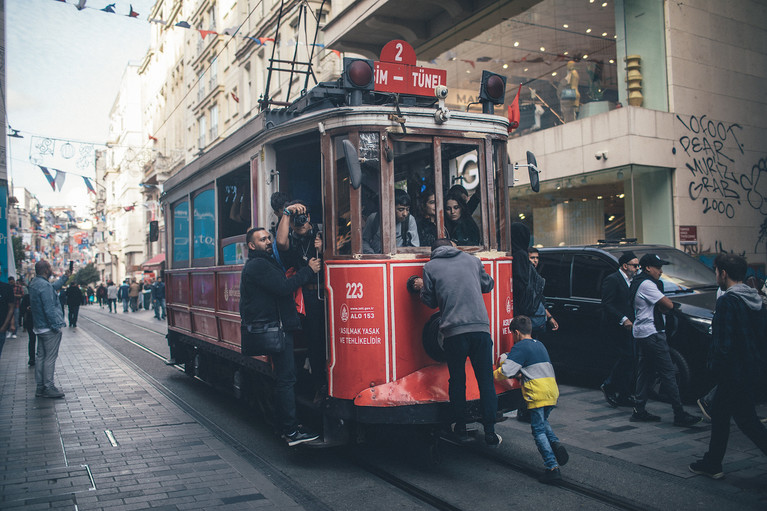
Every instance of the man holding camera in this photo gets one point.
(297, 242)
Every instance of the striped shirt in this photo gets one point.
(530, 359)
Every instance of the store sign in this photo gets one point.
(688, 234)
(396, 72)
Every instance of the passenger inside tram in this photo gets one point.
(426, 217)
(459, 224)
(406, 229)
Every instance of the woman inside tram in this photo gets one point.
(460, 226)
(426, 217)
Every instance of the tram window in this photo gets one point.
(461, 192)
(343, 242)
(181, 234)
(203, 228)
(370, 192)
(234, 203)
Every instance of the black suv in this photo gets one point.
(573, 296)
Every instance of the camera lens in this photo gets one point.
(300, 220)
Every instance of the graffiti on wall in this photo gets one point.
(720, 180)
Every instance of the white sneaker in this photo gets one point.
(13, 336)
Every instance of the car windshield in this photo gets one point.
(684, 272)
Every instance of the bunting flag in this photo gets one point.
(514, 115)
(338, 53)
(153, 139)
(109, 8)
(89, 185)
(60, 177)
(49, 177)
(133, 14)
(235, 98)
(205, 33)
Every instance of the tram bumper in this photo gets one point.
(422, 398)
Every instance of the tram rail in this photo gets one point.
(420, 494)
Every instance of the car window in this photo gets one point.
(555, 268)
(684, 272)
(588, 273)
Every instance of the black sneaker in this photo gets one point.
(705, 408)
(52, 392)
(643, 416)
(299, 436)
(703, 468)
(552, 476)
(493, 439)
(39, 391)
(561, 453)
(612, 399)
(686, 420)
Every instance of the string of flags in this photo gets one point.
(57, 181)
(112, 8)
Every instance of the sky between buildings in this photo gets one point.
(63, 71)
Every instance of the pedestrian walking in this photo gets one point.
(617, 322)
(74, 300)
(124, 295)
(649, 331)
(112, 290)
(737, 359)
(7, 306)
(48, 320)
(158, 298)
(101, 295)
(266, 297)
(133, 293)
(18, 293)
(529, 361)
(454, 282)
(146, 294)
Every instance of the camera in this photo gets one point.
(300, 219)
(440, 91)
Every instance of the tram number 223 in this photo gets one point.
(354, 290)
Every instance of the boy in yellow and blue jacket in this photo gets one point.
(529, 361)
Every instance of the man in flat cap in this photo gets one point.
(617, 322)
(646, 293)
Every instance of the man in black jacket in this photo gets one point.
(617, 321)
(266, 297)
(737, 359)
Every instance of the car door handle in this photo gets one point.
(571, 308)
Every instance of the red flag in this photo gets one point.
(153, 139)
(234, 97)
(263, 40)
(204, 33)
(514, 111)
(133, 14)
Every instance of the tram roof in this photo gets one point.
(328, 103)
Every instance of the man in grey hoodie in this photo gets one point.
(737, 360)
(454, 281)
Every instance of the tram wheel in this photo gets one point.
(433, 339)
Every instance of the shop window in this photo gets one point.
(181, 234)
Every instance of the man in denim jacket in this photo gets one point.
(49, 319)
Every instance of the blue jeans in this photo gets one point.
(125, 301)
(47, 353)
(159, 306)
(478, 346)
(543, 434)
(284, 387)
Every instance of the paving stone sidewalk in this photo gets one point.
(57, 453)
(584, 420)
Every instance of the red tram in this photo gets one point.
(343, 148)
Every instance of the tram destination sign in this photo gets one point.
(397, 72)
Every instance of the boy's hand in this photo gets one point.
(501, 360)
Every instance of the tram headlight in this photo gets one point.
(358, 74)
(492, 88)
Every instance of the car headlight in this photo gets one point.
(701, 324)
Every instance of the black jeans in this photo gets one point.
(74, 310)
(621, 377)
(284, 387)
(654, 357)
(478, 346)
(733, 401)
(32, 346)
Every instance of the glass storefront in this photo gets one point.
(563, 52)
(628, 202)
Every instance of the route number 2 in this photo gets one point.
(354, 290)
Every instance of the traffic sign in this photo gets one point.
(406, 79)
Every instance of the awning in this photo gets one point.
(154, 261)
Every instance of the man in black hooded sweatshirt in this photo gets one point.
(528, 284)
